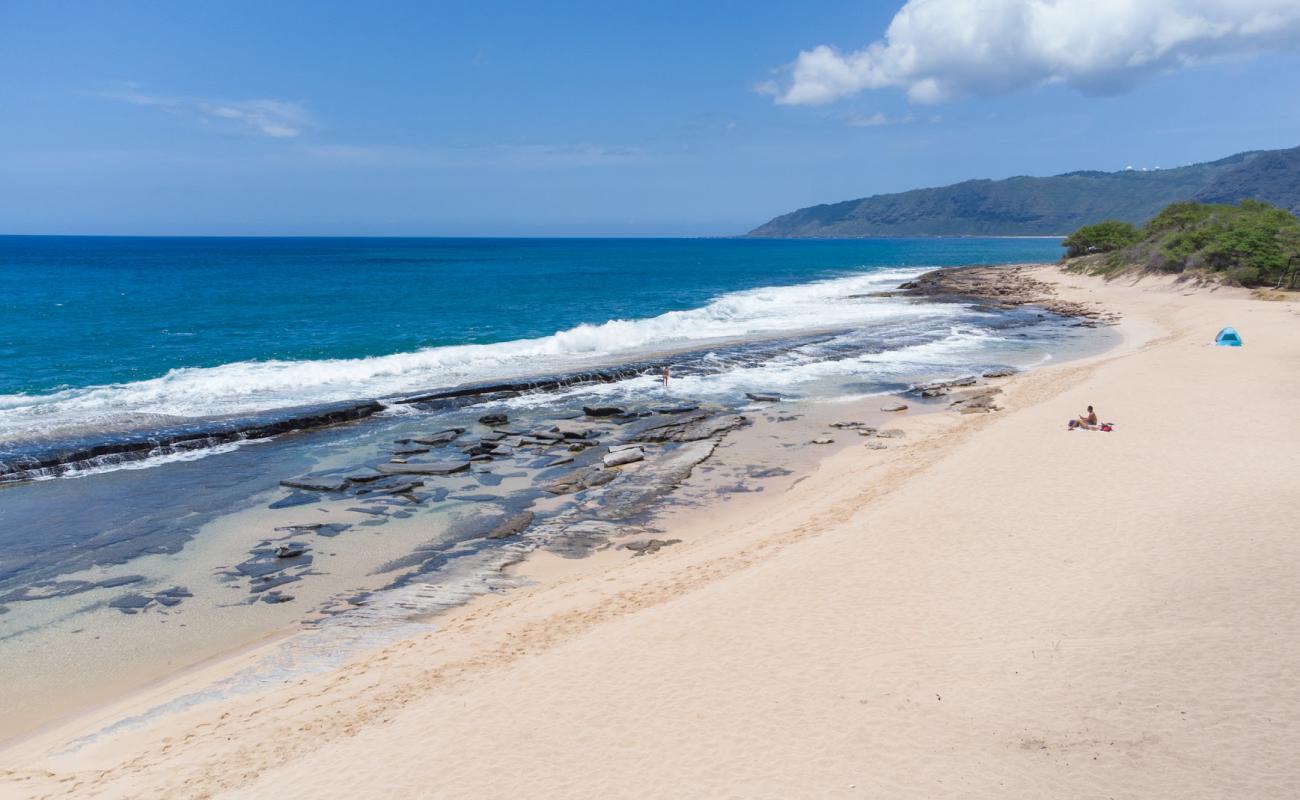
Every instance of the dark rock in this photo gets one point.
(290, 550)
(425, 468)
(763, 397)
(602, 411)
(60, 456)
(121, 580)
(396, 487)
(1000, 372)
(512, 526)
(691, 429)
(582, 479)
(439, 438)
(646, 546)
(768, 472)
(493, 419)
(411, 451)
(316, 484)
(938, 388)
(276, 597)
(318, 528)
(270, 582)
(683, 409)
(130, 603)
(823, 441)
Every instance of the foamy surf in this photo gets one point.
(256, 386)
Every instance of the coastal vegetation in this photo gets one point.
(1053, 205)
(1251, 243)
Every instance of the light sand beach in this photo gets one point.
(992, 607)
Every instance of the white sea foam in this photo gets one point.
(252, 386)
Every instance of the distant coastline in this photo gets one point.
(1032, 206)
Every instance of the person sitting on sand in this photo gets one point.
(1088, 420)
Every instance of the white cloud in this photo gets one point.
(940, 50)
(274, 118)
(277, 119)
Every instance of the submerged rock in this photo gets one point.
(512, 526)
(602, 411)
(763, 397)
(581, 479)
(439, 438)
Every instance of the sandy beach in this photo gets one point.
(993, 606)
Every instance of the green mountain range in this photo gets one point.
(1047, 206)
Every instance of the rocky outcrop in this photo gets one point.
(691, 429)
(1007, 287)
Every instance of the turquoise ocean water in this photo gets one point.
(97, 329)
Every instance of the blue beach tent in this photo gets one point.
(1228, 337)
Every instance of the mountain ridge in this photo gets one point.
(1025, 205)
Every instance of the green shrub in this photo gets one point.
(1104, 237)
(1251, 243)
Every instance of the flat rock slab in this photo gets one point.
(316, 484)
(625, 456)
(894, 407)
(429, 468)
(691, 429)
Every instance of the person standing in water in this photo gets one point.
(665, 377)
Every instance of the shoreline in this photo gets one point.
(677, 508)
(390, 579)
(550, 620)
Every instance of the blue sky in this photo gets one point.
(671, 118)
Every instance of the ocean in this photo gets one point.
(154, 393)
(100, 329)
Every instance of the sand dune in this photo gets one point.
(995, 608)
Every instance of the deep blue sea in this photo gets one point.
(187, 327)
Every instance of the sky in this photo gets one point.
(602, 119)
